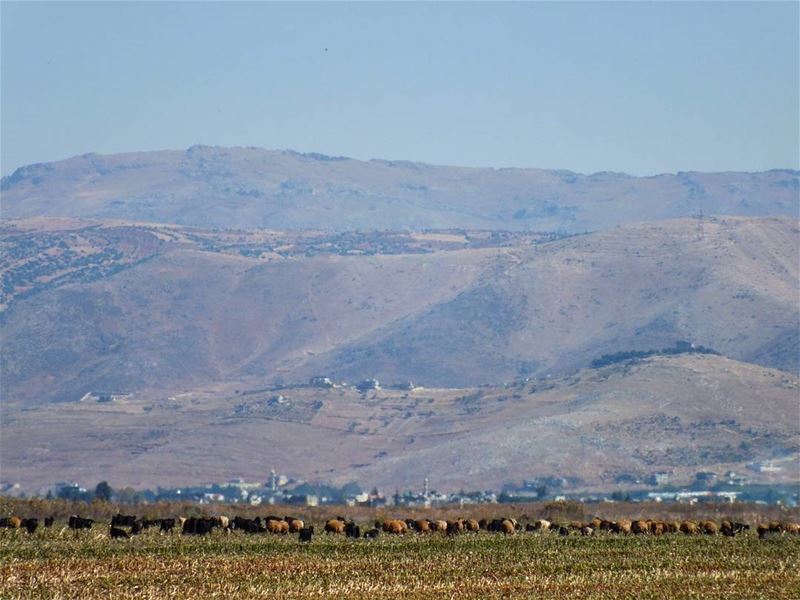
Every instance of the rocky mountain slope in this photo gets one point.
(256, 188)
(156, 310)
(675, 414)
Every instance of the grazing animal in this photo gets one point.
(118, 534)
(30, 524)
(11, 522)
(689, 528)
(471, 525)
(199, 525)
(306, 533)
(48, 522)
(295, 525)
(138, 526)
(622, 526)
(587, 530)
(422, 526)
(455, 527)
(640, 527)
(396, 527)
(279, 527)
(563, 531)
(336, 526)
(352, 530)
(541, 525)
(120, 520)
(791, 528)
(76, 522)
(507, 527)
(372, 534)
(710, 528)
(166, 525)
(439, 525)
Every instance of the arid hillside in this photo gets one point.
(253, 188)
(674, 414)
(158, 310)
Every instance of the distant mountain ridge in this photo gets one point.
(250, 188)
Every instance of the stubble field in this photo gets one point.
(59, 563)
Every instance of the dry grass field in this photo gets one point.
(58, 563)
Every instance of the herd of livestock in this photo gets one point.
(125, 526)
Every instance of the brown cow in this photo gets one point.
(335, 526)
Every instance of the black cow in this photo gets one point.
(120, 520)
(166, 525)
(118, 534)
(199, 525)
(306, 533)
(352, 530)
(249, 525)
(76, 522)
(30, 525)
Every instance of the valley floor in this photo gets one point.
(53, 564)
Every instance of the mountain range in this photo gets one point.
(163, 312)
(249, 188)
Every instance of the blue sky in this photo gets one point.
(636, 87)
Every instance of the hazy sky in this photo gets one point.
(635, 87)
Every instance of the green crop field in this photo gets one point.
(59, 563)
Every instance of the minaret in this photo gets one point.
(425, 489)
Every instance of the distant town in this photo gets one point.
(707, 487)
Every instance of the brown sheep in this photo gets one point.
(395, 526)
(295, 525)
(689, 528)
(471, 525)
(622, 526)
(640, 527)
(587, 530)
(657, 528)
(455, 527)
(507, 526)
(422, 525)
(14, 522)
(335, 526)
(792, 528)
(595, 523)
(439, 526)
(541, 525)
(279, 527)
(710, 528)
(673, 527)
(222, 521)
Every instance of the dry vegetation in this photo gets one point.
(58, 563)
(53, 564)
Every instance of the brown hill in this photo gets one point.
(157, 310)
(674, 414)
(257, 188)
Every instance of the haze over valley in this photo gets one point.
(155, 306)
